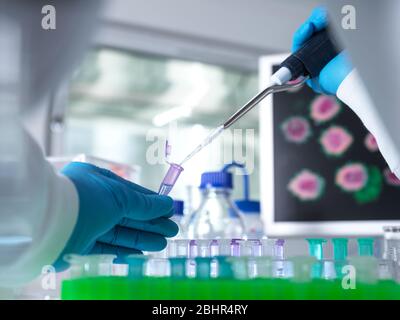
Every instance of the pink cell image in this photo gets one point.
(335, 140)
(296, 129)
(306, 185)
(352, 177)
(370, 143)
(391, 178)
(324, 108)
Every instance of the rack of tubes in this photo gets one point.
(232, 269)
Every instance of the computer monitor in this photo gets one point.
(321, 171)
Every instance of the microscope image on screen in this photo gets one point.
(327, 165)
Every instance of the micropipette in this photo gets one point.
(294, 71)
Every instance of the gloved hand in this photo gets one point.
(116, 216)
(332, 75)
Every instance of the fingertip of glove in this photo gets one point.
(76, 165)
(301, 35)
(173, 230)
(167, 201)
(319, 18)
(163, 243)
(158, 245)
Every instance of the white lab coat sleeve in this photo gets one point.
(353, 93)
(44, 210)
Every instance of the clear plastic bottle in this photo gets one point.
(254, 226)
(212, 218)
(235, 228)
(250, 209)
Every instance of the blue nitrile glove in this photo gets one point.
(116, 216)
(332, 75)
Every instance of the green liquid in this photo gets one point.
(147, 288)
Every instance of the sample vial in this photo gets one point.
(391, 243)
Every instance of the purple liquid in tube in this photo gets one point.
(235, 248)
(193, 249)
(175, 169)
(170, 178)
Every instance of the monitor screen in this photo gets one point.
(326, 165)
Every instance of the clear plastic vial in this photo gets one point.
(215, 216)
(391, 249)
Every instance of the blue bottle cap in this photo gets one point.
(178, 207)
(217, 179)
(248, 206)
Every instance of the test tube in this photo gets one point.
(339, 255)
(253, 248)
(365, 246)
(262, 268)
(224, 267)
(171, 248)
(203, 248)
(214, 248)
(316, 247)
(235, 247)
(192, 253)
(120, 269)
(391, 243)
(179, 248)
(279, 256)
(214, 251)
(224, 247)
(193, 249)
(157, 267)
(178, 267)
(136, 264)
(90, 265)
(332, 269)
(340, 248)
(268, 247)
(170, 178)
(279, 249)
(366, 268)
(386, 270)
(239, 267)
(203, 267)
(302, 268)
(230, 247)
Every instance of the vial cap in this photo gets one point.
(178, 207)
(248, 206)
(218, 179)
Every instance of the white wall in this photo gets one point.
(243, 29)
(263, 24)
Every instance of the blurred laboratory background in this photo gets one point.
(171, 69)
